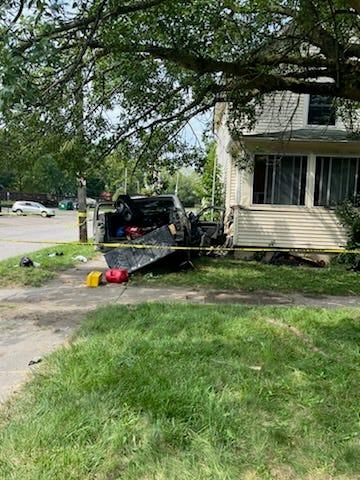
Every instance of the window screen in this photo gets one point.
(321, 111)
(279, 180)
(336, 179)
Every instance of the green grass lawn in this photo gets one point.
(12, 275)
(251, 276)
(181, 392)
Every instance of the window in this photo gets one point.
(279, 180)
(336, 179)
(321, 111)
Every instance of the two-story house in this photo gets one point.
(303, 163)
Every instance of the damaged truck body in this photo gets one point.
(148, 229)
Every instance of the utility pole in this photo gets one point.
(213, 188)
(79, 119)
(126, 181)
(177, 183)
(82, 209)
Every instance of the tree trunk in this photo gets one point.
(82, 210)
(79, 118)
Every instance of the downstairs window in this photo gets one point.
(336, 179)
(279, 180)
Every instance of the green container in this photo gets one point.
(66, 205)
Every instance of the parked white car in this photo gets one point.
(32, 208)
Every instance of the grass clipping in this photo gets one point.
(192, 392)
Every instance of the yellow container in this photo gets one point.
(93, 279)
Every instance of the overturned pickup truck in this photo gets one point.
(153, 226)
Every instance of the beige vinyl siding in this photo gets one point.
(232, 183)
(286, 111)
(225, 162)
(281, 111)
(291, 228)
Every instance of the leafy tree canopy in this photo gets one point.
(188, 186)
(147, 67)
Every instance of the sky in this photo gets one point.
(193, 133)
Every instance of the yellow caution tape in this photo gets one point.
(82, 214)
(185, 248)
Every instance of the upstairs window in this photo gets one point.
(321, 111)
(336, 179)
(279, 180)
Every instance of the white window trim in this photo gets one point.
(245, 198)
(317, 207)
(317, 127)
(266, 206)
(310, 181)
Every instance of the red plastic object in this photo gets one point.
(117, 275)
(133, 232)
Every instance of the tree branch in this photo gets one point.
(355, 5)
(82, 23)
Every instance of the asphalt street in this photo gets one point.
(62, 228)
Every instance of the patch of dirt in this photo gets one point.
(42, 315)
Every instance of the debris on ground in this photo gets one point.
(37, 264)
(94, 279)
(26, 262)
(56, 254)
(80, 258)
(256, 368)
(355, 267)
(134, 257)
(117, 275)
(295, 260)
(35, 361)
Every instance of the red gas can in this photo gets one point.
(117, 275)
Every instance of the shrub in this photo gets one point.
(349, 214)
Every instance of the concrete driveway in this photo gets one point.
(63, 228)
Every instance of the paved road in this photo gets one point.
(62, 227)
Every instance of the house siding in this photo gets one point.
(273, 225)
(281, 111)
(297, 228)
(225, 162)
(232, 183)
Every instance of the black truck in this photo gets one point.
(153, 226)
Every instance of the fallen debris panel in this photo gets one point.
(135, 258)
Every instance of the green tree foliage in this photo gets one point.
(208, 177)
(40, 156)
(349, 215)
(149, 66)
(120, 172)
(47, 176)
(188, 185)
(32, 159)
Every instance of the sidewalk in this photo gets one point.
(35, 321)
